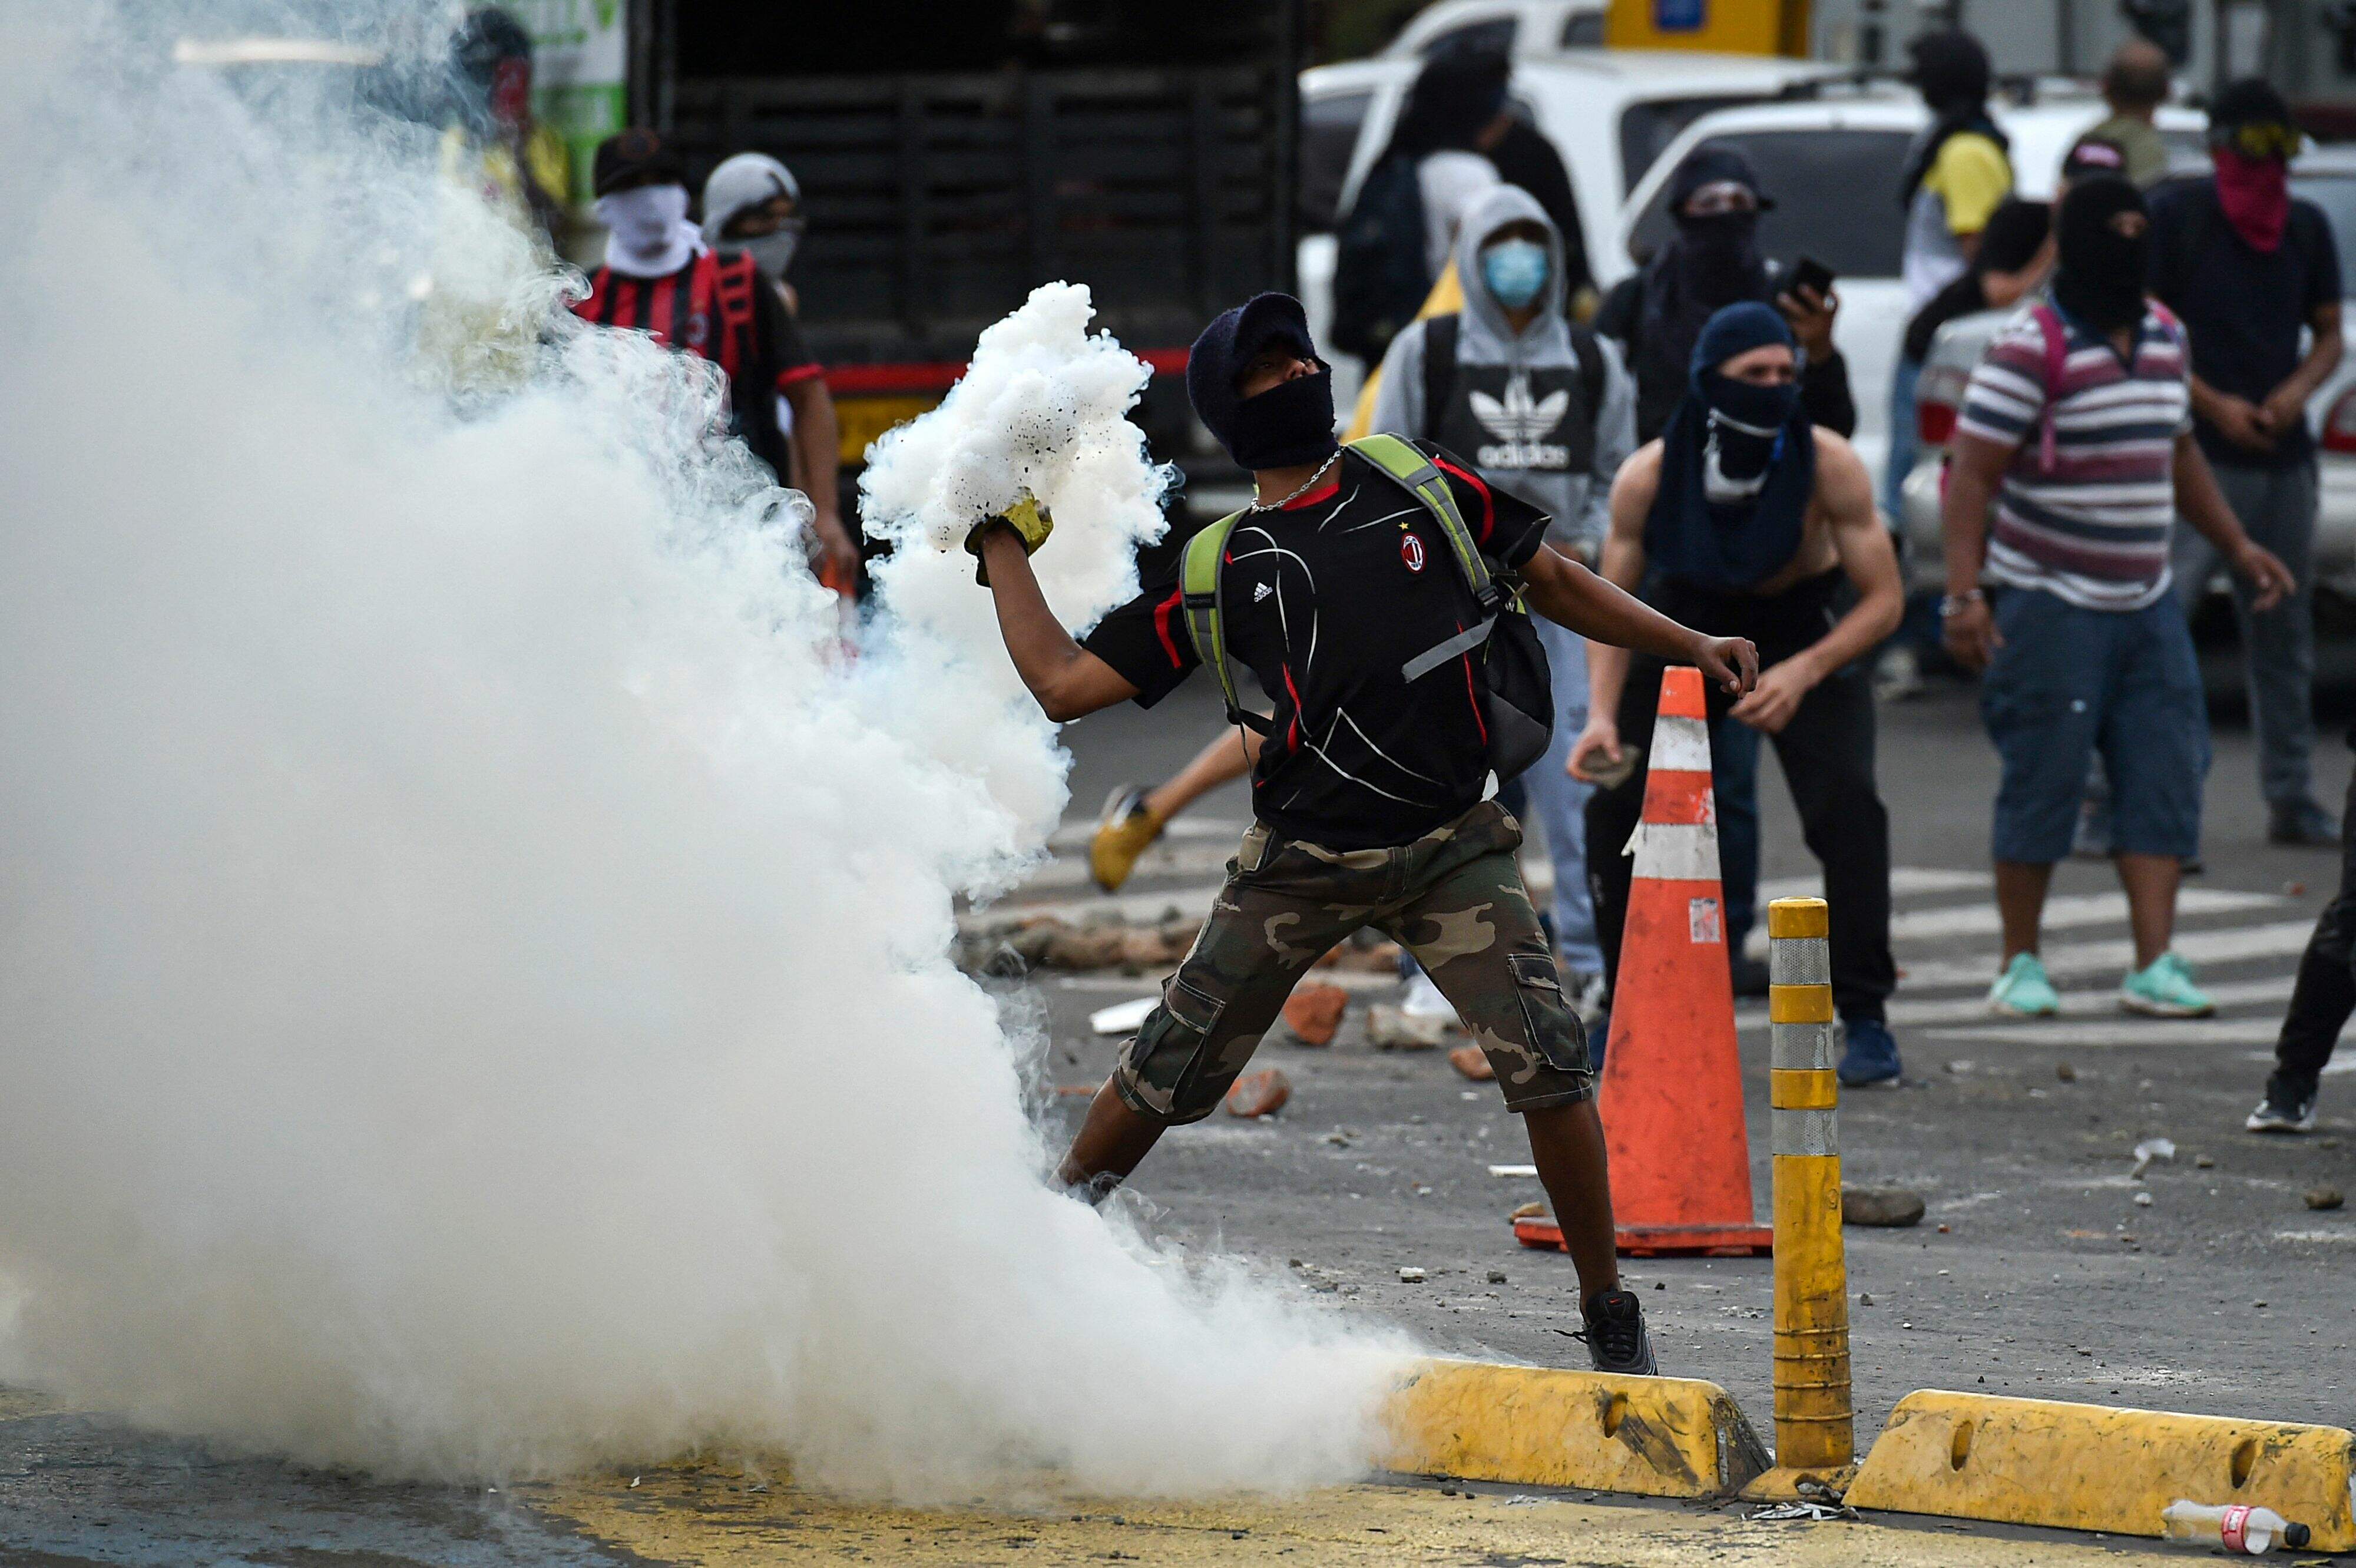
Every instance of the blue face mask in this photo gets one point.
(1515, 271)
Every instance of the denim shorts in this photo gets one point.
(2071, 683)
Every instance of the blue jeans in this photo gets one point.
(1560, 801)
(1900, 462)
(1734, 780)
(2068, 684)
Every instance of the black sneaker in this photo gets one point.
(2302, 822)
(1616, 1340)
(2287, 1108)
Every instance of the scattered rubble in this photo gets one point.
(1261, 1093)
(1528, 1211)
(1312, 1014)
(1472, 1062)
(2065, 1072)
(1890, 1207)
(2325, 1197)
(1409, 1276)
(2151, 1149)
(1391, 1028)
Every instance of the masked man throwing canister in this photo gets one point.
(1348, 589)
(1747, 520)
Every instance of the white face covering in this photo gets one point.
(650, 236)
(773, 252)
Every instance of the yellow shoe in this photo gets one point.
(1123, 832)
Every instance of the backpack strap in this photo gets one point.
(1203, 593)
(1441, 334)
(1594, 375)
(1415, 474)
(2055, 334)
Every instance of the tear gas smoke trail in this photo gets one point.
(472, 993)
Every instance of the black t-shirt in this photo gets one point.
(1325, 600)
(2243, 308)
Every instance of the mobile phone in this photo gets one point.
(1810, 272)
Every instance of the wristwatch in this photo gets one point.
(1954, 602)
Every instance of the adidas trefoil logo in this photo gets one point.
(1261, 592)
(1521, 423)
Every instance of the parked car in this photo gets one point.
(1609, 112)
(1511, 26)
(2325, 177)
(1833, 165)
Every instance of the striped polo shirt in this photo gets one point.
(2093, 527)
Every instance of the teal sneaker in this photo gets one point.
(2023, 990)
(2165, 990)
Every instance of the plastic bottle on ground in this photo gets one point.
(2237, 1526)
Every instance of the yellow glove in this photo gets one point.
(1026, 517)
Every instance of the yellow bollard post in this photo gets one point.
(1816, 1434)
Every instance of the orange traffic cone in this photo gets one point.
(1672, 1092)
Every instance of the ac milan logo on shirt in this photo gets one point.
(698, 329)
(1411, 551)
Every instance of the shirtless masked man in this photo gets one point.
(1746, 521)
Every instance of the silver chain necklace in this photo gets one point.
(1306, 486)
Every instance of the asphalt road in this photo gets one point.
(2224, 1294)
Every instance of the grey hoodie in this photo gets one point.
(1487, 348)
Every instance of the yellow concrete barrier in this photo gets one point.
(2083, 1467)
(1660, 1437)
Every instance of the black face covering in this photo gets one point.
(1290, 424)
(1721, 254)
(2100, 277)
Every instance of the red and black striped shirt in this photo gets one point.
(718, 306)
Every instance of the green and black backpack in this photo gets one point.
(1517, 692)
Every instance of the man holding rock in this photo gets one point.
(1340, 589)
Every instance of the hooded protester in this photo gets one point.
(1712, 261)
(752, 203)
(1545, 410)
(1745, 518)
(1340, 590)
(660, 277)
(2249, 269)
(2071, 459)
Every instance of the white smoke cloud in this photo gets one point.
(473, 991)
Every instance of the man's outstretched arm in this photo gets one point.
(1569, 594)
(1844, 492)
(1068, 680)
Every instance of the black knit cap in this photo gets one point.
(1950, 70)
(635, 156)
(1228, 345)
(1714, 164)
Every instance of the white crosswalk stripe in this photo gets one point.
(1944, 929)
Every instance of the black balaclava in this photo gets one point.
(1738, 464)
(1290, 424)
(2100, 280)
(1718, 254)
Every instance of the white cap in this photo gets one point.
(748, 179)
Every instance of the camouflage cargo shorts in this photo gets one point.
(1453, 898)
